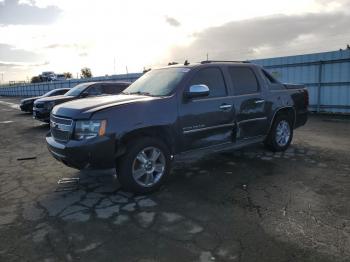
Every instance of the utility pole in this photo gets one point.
(207, 57)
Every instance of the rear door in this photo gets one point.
(249, 102)
(207, 121)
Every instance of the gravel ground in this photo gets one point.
(248, 205)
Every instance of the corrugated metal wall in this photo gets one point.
(41, 88)
(326, 76)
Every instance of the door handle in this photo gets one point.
(225, 106)
(260, 101)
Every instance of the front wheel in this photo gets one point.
(281, 134)
(145, 165)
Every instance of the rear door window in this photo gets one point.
(243, 80)
(213, 78)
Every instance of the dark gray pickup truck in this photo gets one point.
(173, 112)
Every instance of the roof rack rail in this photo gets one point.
(222, 61)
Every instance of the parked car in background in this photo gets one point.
(60, 77)
(175, 112)
(26, 104)
(42, 107)
(47, 76)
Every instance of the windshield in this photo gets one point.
(77, 90)
(157, 82)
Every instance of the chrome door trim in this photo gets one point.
(253, 119)
(185, 132)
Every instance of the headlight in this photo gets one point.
(89, 129)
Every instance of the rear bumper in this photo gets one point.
(97, 153)
(41, 114)
(301, 119)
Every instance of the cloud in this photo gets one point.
(172, 21)
(80, 48)
(54, 46)
(340, 3)
(267, 36)
(10, 53)
(9, 65)
(14, 12)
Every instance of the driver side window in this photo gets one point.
(213, 78)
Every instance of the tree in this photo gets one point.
(36, 79)
(85, 73)
(68, 75)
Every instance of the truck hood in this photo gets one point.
(57, 99)
(84, 108)
(30, 99)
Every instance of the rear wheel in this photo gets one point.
(145, 165)
(281, 134)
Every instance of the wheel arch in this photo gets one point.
(160, 132)
(287, 110)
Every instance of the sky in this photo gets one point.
(113, 36)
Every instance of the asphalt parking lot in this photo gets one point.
(249, 205)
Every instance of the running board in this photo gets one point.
(229, 146)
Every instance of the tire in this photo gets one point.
(151, 173)
(278, 139)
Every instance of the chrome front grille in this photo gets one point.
(61, 128)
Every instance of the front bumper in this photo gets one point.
(41, 114)
(26, 107)
(96, 153)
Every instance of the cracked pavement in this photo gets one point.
(248, 205)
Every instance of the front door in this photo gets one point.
(207, 121)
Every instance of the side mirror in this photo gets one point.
(197, 91)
